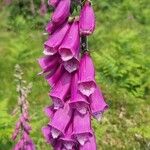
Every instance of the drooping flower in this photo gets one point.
(60, 90)
(71, 44)
(86, 83)
(47, 63)
(78, 100)
(49, 111)
(60, 121)
(87, 19)
(97, 104)
(71, 65)
(67, 140)
(82, 127)
(61, 12)
(54, 41)
(46, 130)
(90, 144)
(53, 2)
(52, 80)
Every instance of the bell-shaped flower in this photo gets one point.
(86, 83)
(54, 41)
(50, 27)
(49, 111)
(97, 104)
(62, 11)
(82, 127)
(46, 130)
(52, 80)
(47, 63)
(67, 140)
(71, 65)
(71, 44)
(60, 121)
(60, 90)
(53, 2)
(89, 145)
(78, 100)
(87, 19)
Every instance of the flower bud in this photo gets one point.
(87, 19)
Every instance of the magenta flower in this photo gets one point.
(52, 44)
(49, 111)
(53, 2)
(67, 140)
(86, 83)
(48, 62)
(90, 144)
(60, 121)
(50, 27)
(97, 104)
(82, 127)
(87, 19)
(52, 80)
(78, 101)
(71, 44)
(61, 12)
(46, 130)
(71, 65)
(60, 90)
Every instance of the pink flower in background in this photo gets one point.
(43, 8)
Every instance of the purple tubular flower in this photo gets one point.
(97, 104)
(61, 12)
(71, 65)
(52, 44)
(46, 130)
(87, 19)
(47, 63)
(49, 111)
(70, 46)
(78, 101)
(60, 121)
(82, 127)
(67, 140)
(50, 27)
(60, 90)
(86, 84)
(53, 2)
(52, 80)
(90, 144)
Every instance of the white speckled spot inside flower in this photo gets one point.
(55, 133)
(65, 54)
(57, 103)
(71, 65)
(87, 88)
(82, 139)
(49, 52)
(68, 145)
(82, 110)
(98, 116)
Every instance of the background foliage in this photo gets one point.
(121, 52)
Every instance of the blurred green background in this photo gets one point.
(120, 47)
